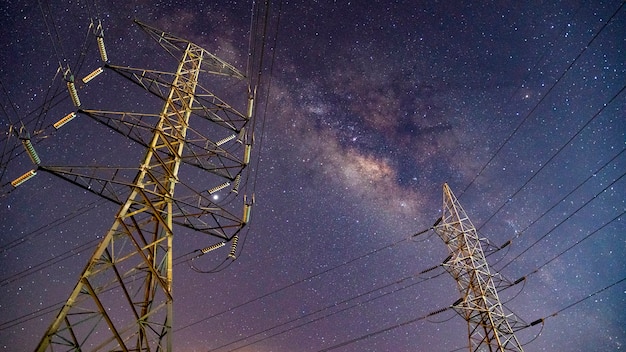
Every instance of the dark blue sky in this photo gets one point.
(518, 106)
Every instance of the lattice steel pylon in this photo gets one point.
(489, 327)
(123, 300)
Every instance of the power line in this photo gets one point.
(372, 252)
(616, 218)
(581, 183)
(48, 263)
(378, 332)
(30, 316)
(48, 101)
(60, 54)
(77, 67)
(575, 303)
(263, 45)
(518, 234)
(510, 99)
(345, 263)
(50, 225)
(564, 220)
(331, 306)
(6, 188)
(554, 155)
(372, 334)
(294, 283)
(466, 188)
(11, 133)
(556, 203)
(253, 49)
(532, 111)
(46, 310)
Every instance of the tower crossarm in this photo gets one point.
(192, 209)
(106, 182)
(174, 45)
(221, 155)
(156, 82)
(207, 105)
(489, 325)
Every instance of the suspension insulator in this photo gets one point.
(219, 187)
(31, 151)
(226, 139)
(71, 87)
(437, 311)
(25, 177)
(246, 154)
(69, 117)
(92, 75)
(233, 247)
(247, 208)
(212, 247)
(536, 322)
(103, 50)
(236, 184)
(250, 107)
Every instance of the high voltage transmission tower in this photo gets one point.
(490, 328)
(123, 298)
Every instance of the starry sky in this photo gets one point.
(372, 107)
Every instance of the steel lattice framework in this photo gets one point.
(489, 327)
(123, 298)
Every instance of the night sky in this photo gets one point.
(372, 107)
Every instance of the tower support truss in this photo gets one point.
(490, 327)
(123, 298)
